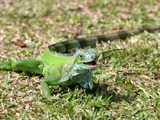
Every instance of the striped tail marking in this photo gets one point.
(64, 47)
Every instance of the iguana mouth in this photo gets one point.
(92, 63)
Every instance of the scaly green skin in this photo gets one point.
(59, 69)
(67, 70)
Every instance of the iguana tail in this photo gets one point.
(33, 66)
(64, 47)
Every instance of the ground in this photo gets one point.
(126, 81)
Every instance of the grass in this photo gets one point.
(126, 82)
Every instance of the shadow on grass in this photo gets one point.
(98, 90)
(101, 90)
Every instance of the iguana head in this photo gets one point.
(85, 59)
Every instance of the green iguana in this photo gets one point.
(63, 69)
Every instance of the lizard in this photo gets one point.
(60, 68)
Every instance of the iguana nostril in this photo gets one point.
(92, 57)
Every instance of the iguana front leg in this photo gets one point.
(54, 77)
(49, 81)
(53, 81)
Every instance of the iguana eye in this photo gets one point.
(81, 56)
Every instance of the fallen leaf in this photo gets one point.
(19, 43)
